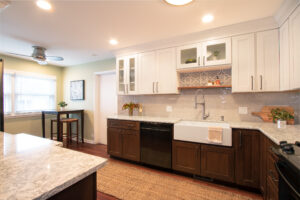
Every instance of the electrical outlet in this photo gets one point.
(169, 108)
(243, 110)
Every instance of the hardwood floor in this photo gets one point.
(101, 150)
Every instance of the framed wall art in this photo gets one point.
(77, 90)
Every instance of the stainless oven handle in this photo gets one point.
(286, 181)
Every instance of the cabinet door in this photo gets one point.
(247, 157)
(217, 162)
(189, 56)
(267, 44)
(243, 63)
(131, 145)
(217, 52)
(132, 75)
(166, 71)
(121, 75)
(294, 31)
(284, 57)
(147, 72)
(272, 190)
(263, 163)
(114, 142)
(186, 157)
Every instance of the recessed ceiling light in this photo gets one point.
(43, 4)
(113, 42)
(207, 18)
(178, 2)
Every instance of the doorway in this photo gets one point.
(106, 102)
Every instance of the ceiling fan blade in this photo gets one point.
(16, 54)
(54, 58)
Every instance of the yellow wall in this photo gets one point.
(31, 125)
(85, 72)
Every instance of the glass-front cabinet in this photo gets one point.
(209, 53)
(217, 52)
(189, 56)
(127, 72)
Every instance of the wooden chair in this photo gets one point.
(67, 138)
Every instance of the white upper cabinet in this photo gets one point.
(243, 63)
(209, 53)
(284, 57)
(294, 42)
(121, 73)
(157, 72)
(267, 44)
(166, 71)
(127, 75)
(147, 73)
(189, 56)
(216, 52)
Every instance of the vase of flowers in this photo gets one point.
(281, 116)
(62, 105)
(130, 107)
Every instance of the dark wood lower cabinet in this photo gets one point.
(263, 164)
(114, 141)
(217, 162)
(131, 145)
(86, 189)
(123, 139)
(247, 157)
(272, 190)
(186, 157)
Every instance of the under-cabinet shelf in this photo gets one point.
(204, 87)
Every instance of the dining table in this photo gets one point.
(58, 114)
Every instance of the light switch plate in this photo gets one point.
(169, 108)
(243, 110)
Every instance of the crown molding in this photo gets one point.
(285, 10)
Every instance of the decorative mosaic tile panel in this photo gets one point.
(202, 78)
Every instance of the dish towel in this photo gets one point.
(215, 134)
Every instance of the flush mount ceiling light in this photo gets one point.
(178, 2)
(43, 4)
(207, 18)
(113, 42)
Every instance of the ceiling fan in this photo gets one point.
(39, 56)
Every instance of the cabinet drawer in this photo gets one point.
(271, 170)
(123, 124)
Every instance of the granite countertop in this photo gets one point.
(291, 133)
(36, 168)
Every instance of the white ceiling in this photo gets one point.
(80, 30)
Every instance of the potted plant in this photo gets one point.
(130, 106)
(62, 105)
(281, 116)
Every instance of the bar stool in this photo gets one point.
(69, 136)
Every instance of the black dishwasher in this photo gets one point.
(156, 144)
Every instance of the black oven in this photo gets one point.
(288, 168)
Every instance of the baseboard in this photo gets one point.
(85, 141)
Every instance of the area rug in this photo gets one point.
(128, 182)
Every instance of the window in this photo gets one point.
(27, 93)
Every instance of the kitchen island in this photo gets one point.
(36, 168)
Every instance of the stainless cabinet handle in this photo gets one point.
(125, 85)
(127, 88)
(251, 82)
(156, 87)
(241, 139)
(261, 82)
(199, 60)
(153, 87)
(203, 60)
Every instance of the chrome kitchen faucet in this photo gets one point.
(204, 116)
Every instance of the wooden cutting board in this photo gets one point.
(265, 113)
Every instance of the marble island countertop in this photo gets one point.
(36, 168)
(291, 133)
